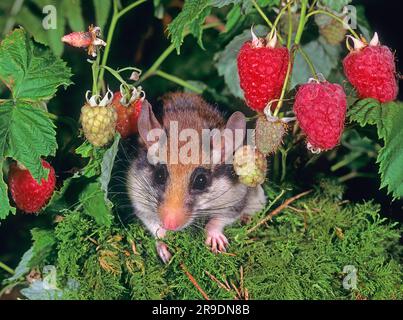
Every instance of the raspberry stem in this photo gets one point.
(290, 28)
(6, 268)
(302, 21)
(285, 85)
(178, 80)
(115, 18)
(308, 62)
(265, 18)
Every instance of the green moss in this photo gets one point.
(301, 254)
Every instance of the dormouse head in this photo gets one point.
(188, 166)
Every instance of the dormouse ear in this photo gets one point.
(147, 122)
(225, 143)
(237, 125)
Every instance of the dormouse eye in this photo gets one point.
(200, 179)
(160, 175)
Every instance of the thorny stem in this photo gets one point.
(334, 17)
(115, 18)
(177, 80)
(277, 210)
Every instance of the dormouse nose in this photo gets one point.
(172, 218)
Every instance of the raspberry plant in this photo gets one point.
(301, 254)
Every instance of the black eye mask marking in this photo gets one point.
(200, 180)
(160, 175)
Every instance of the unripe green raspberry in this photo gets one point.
(269, 135)
(250, 165)
(332, 30)
(98, 123)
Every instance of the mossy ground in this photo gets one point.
(301, 254)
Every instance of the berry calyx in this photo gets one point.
(29, 195)
(370, 68)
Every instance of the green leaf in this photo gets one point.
(26, 132)
(42, 247)
(336, 5)
(93, 201)
(53, 35)
(223, 3)
(366, 111)
(40, 290)
(102, 11)
(107, 165)
(5, 207)
(44, 241)
(28, 135)
(267, 3)
(23, 266)
(29, 72)
(325, 58)
(233, 16)
(27, 18)
(226, 60)
(93, 167)
(73, 14)
(192, 17)
(388, 117)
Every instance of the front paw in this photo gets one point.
(163, 252)
(217, 241)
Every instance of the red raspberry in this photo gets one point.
(28, 195)
(128, 115)
(321, 109)
(371, 69)
(262, 70)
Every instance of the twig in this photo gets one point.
(241, 281)
(296, 209)
(217, 281)
(239, 296)
(194, 282)
(277, 210)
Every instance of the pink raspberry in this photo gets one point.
(321, 109)
(262, 69)
(371, 69)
